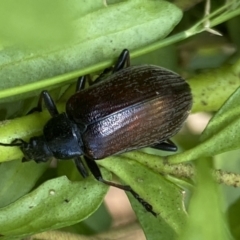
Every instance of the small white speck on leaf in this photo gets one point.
(52, 192)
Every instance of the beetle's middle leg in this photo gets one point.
(122, 62)
(97, 174)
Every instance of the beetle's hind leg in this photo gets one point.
(167, 145)
(97, 174)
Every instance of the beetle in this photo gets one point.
(127, 108)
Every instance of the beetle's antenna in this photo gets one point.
(11, 144)
(18, 142)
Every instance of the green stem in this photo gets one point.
(225, 17)
(160, 165)
(191, 31)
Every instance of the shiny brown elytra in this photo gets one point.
(133, 107)
(136, 107)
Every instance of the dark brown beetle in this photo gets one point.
(134, 107)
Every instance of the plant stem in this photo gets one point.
(187, 171)
(160, 165)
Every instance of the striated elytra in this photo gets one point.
(126, 108)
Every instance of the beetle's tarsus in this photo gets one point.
(145, 204)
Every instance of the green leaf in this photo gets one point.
(212, 88)
(220, 135)
(154, 228)
(17, 179)
(101, 35)
(100, 221)
(225, 116)
(205, 209)
(165, 197)
(55, 204)
(233, 216)
(27, 22)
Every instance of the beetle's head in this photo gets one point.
(36, 149)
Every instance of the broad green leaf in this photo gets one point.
(206, 220)
(233, 217)
(228, 113)
(17, 179)
(165, 197)
(100, 221)
(212, 88)
(56, 203)
(35, 24)
(220, 135)
(101, 35)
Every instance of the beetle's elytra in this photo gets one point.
(134, 107)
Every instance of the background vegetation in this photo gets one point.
(48, 45)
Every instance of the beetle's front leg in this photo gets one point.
(49, 103)
(80, 166)
(98, 175)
